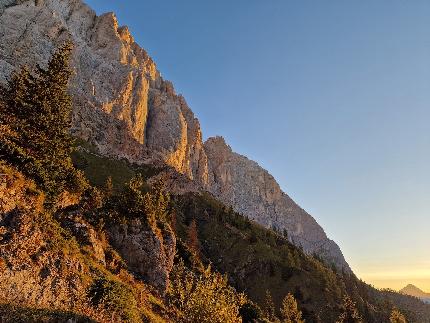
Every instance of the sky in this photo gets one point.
(331, 97)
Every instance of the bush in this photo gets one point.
(116, 297)
(206, 298)
(397, 317)
(134, 202)
(251, 312)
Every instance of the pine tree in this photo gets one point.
(289, 310)
(350, 313)
(192, 237)
(397, 317)
(36, 109)
(108, 187)
(269, 307)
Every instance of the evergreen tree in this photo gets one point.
(397, 317)
(151, 206)
(350, 313)
(269, 307)
(289, 310)
(36, 109)
(108, 187)
(192, 237)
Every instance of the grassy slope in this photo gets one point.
(98, 169)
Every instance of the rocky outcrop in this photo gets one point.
(52, 263)
(35, 269)
(124, 107)
(148, 252)
(252, 191)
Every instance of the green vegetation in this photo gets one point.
(205, 297)
(114, 296)
(289, 310)
(35, 112)
(99, 169)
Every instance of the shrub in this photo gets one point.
(397, 317)
(116, 297)
(205, 298)
(134, 202)
(250, 312)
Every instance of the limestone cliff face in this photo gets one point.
(124, 107)
(121, 103)
(251, 190)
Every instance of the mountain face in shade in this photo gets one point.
(413, 290)
(123, 106)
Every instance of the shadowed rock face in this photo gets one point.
(251, 190)
(124, 107)
(148, 252)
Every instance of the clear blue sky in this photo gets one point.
(332, 97)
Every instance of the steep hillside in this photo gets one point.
(257, 260)
(122, 106)
(51, 261)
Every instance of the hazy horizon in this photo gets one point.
(331, 98)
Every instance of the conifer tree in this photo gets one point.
(192, 237)
(36, 109)
(289, 310)
(350, 313)
(269, 307)
(397, 317)
(108, 187)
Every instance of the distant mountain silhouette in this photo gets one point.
(413, 290)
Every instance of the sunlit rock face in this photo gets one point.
(124, 107)
(121, 103)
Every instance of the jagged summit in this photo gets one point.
(126, 109)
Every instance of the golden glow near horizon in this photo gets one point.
(397, 279)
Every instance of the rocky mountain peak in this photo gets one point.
(414, 291)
